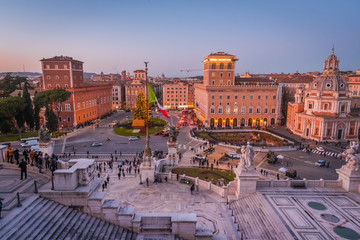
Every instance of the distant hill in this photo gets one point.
(32, 75)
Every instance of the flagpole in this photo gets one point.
(147, 151)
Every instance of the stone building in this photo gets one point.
(134, 87)
(118, 95)
(87, 102)
(226, 101)
(323, 112)
(175, 94)
(353, 81)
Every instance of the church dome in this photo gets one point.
(330, 79)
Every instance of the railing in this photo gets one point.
(295, 183)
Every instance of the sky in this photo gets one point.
(111, 36)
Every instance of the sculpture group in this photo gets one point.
(353, 159)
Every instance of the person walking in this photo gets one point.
(16, 156)
(1, 204)
(192, 188)
(22, 167)
(40, 163)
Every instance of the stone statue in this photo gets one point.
(44, 135)
(353, 159)
(249, 153)
(246, 158)
(172, 134)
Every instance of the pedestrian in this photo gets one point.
(147, 181)
(1, 204)
(103, 186)
(261, 171)
(123, 174)
(106, 183)
(192, 188)
(108, 179)
(47, 161)
(16, 156)
(177, 177)
(327, 164)
(278, 176)
(165, 178)
(119, 175)
(40, 163)
(22, 167)
(98, 174)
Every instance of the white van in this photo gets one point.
(29, 143)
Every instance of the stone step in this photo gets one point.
(88, 226)
(20, 220)
(45, 219)
(12, 218)
(50, 224)
(71, 224)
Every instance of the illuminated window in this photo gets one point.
(221, 82)
(220, 109)
(228, 82)
(67, 107)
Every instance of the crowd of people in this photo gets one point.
(32, 158)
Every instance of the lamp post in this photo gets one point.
(147, 151)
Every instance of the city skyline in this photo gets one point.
(114, 36)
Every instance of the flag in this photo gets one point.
(152, 98)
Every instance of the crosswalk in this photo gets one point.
(326, 153)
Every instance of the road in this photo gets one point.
(82, 140)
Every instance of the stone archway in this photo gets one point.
(235, 122)
(212, 123)
(250, 122)
(258, 122)
(340, 131)
(265, 122)
(242, 122)
(219, 123)
(227, 123)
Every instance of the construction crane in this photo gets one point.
(190, 70)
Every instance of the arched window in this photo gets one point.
(213, 66)
(220, 109)
(235, 109)
(243, 109)
(221, 65)
(212, 109)
(242, 122)
(272, 122)
(229, 66)
(227, 109)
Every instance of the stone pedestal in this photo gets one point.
(246, 182)
(173, 156)
(46, 147)
(147, 170)
(350, 179)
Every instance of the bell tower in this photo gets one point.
(331, 64)
(219, 69)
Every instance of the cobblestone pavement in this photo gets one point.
(173, 197)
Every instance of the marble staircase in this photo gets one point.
(40, 218)
(255, 220)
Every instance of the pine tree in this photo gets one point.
(51, 120)
(140, 107)
(28, 111)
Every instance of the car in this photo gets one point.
(234, 155)
(320, 163)
(29, 143)
(96, 144)
(133, 138)
(320, 149)
(199, 157)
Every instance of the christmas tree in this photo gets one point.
(140, 107)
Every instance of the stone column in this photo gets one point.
(172, 152)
